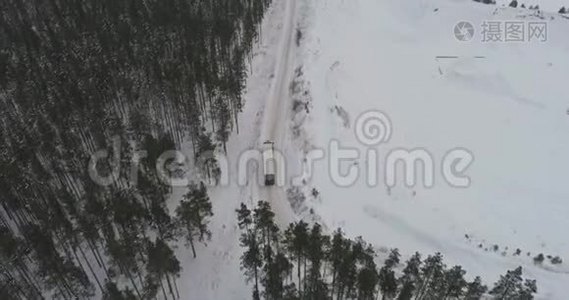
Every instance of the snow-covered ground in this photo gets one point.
(509, 109)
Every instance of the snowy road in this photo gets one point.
(277, 108)
(217, 273)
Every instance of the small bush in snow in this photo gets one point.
(539, 259)
(315, 193)
(556, 260)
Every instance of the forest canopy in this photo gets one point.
(74, 77)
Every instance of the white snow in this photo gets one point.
(509, 109)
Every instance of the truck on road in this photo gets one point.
(269, 163)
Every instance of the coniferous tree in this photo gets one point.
(193, 214)
(528, 290)
(368, 275)
(317, 247)
(58, 270)
(296, 241)
(275, 273)
(12, 253)
(276, 264)
(224, 122)
(205, 150)
(512, 286)
(263, 218)
(387, 279)
(335, 255)
(475, 289)
(162, 265)
(411, 277)
(347, 270)
(112, 292)
(252, 259)
(244, 217)
(453, 284)
(432, 273)
(368, 279)
(123, 261)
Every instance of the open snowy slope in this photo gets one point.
(509, 108)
